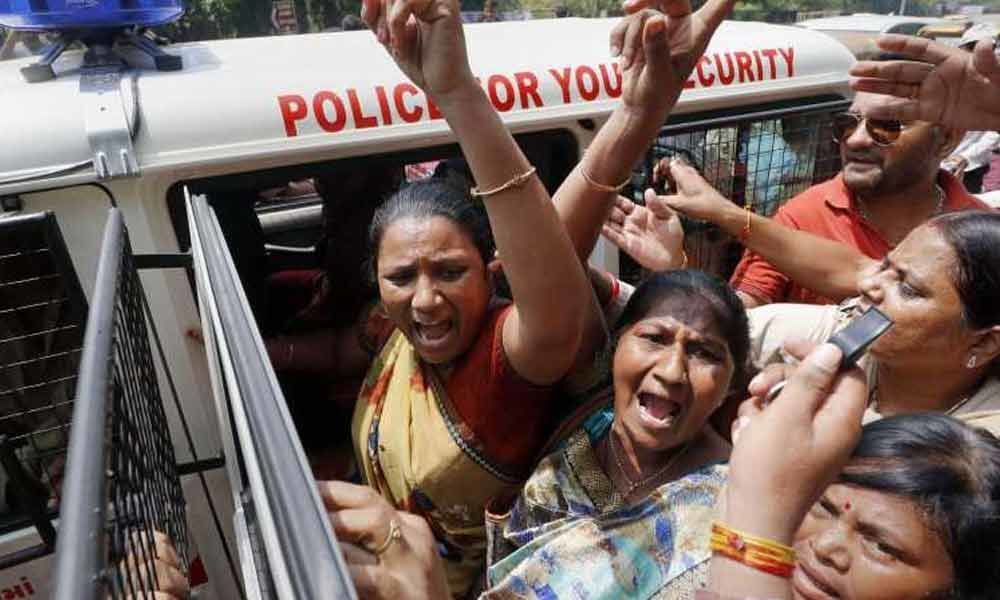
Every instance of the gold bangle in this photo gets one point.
(603, 187)
(755, 552)
(516, 181)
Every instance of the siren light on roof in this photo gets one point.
(59, 15)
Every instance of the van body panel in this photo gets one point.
(237, 100)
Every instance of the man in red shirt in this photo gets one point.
(889, 184)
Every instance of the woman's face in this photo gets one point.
(914, 286)
(859, 544)
(433, 285)
(671, 370)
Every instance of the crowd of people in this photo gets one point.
(561, 440)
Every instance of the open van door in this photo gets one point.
(286, 547)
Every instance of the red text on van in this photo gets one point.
(384, 105)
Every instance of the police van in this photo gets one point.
(156, 206)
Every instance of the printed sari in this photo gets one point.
(570, 535)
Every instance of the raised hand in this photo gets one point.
(939, 84)
(425, 39)
(695, 197)
(786, 454)
(652, 234)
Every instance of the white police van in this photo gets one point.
(186, 156)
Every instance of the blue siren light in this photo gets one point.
(48, 15)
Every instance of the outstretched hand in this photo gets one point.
(425, 39)
(695, 197)
(938, 83)
(652, 235)
(785, 455)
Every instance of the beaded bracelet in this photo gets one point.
(755, 552)
(516, 181)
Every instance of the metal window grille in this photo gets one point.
(42, 313)
(121, 474)
(760, 161)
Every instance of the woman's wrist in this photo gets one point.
(465, 92)
(760, 516)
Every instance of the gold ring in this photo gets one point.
(395, 533)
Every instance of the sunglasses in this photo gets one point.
(882, 132)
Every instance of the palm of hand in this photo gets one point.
(651, 240)
(950, 85)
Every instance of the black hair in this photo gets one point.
(433, 198)
(974, 236)
(708, 291)
(951, 471)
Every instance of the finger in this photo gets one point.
(634, 6)
(659, 208)
(364, 526)
(617, 216)
(631, 46)
(399, 15)
(382, 27)
(739, 424)
(893, 108)
(655, 49)
(338, 495)
(370, 10)
(614, 236)
(810, 384)
(171, 580)
(675, 8)
(799, 347)
(165, 550)
(762, 383)
(845, 415)
(617, 37)
(687, 178)
(984, 60)
(624, 204)
(366, 579)
(916, 48)
(895, 71)
(356, 555)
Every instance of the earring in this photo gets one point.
(971, 363)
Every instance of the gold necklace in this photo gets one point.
(634, 485)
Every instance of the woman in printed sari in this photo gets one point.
(591, 511)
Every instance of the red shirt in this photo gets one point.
(827, 210)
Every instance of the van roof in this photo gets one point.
(864, 22)
(320, 96)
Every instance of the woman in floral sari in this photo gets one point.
(592, 509)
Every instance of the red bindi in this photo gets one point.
(847, 506)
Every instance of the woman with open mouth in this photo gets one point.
(591, 511)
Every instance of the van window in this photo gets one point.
(299, 240)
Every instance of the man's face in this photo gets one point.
(872, 170)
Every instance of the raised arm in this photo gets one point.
(551, 292)
(824, 266)
(657, 54)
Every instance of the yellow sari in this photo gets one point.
(418, 454)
